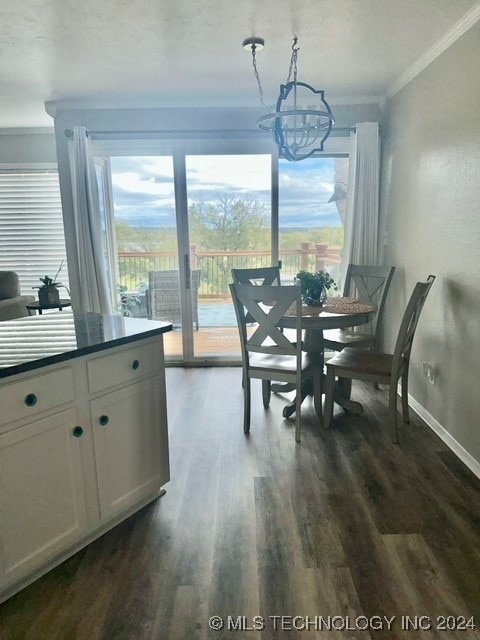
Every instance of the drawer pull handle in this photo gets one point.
(135, 365)
(30, 400)
(104, 420)
(77, 432)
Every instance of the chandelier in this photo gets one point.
(298, 131)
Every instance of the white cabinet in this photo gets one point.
(35, 394)
(83, 444)
(131, 452)
(42, 502)
(124, 366)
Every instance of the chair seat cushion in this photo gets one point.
(271, 362)
(367, 362)
(345, 337)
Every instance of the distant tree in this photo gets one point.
(228, 223)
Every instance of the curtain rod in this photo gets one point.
(183, 132)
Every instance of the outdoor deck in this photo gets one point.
(208, 342)
(217, 335)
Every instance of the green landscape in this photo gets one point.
(235, 231)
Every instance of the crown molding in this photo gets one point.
(451, 36)
(19, 131)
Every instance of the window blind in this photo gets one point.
(32, 241)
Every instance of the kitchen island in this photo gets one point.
(83, 434)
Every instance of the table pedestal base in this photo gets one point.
(341, 396)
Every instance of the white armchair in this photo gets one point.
(12, 303)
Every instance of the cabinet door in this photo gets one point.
(131, 444)
(42, 499)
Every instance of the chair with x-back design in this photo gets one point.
(370, 285)
(267, 354)
(257, 275)
(382, 368)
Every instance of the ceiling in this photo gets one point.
(186, 53)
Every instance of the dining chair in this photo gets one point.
(383, 368)
(260, 276)
(267, 354)
(257, 275)
(370, 285)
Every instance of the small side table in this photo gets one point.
(36, 306)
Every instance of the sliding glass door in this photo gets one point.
(180, 223)
(229, 225)
(181, 216)
(145, 222)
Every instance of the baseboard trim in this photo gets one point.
(444, 435)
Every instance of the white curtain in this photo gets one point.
(361, 224)
(93, 291)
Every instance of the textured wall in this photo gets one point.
(430, 208)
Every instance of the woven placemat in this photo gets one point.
(347, 306)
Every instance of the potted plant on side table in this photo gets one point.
(48, 293)
(314, 286)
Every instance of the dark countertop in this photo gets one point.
(37, 341)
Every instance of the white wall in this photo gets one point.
(430, 207)
(27, 146)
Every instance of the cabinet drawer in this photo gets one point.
(125, 366)
(33, 395)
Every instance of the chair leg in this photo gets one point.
(317, 391)
(246, 404)
(266, 392)
(392, 413)
(329, 389)
(298, 415)
(345, 388)
(405, 410)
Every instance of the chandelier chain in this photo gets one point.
(293, 62)
(257, 76)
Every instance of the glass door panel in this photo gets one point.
(146, 238)
(312, 198)
(229, 220)
(178, 225)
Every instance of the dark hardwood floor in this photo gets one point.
(344, 525)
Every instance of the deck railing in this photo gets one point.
(216, 265)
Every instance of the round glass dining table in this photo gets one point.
(337, 313)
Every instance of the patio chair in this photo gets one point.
(383, 368)
(370, 285)
(163, 295)
(277, 358)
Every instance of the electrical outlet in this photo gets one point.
(429, 372)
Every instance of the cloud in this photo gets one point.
(144, 194)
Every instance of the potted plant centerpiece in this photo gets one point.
(48, 293)
(314, 286)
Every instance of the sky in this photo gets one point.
(144, 196)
